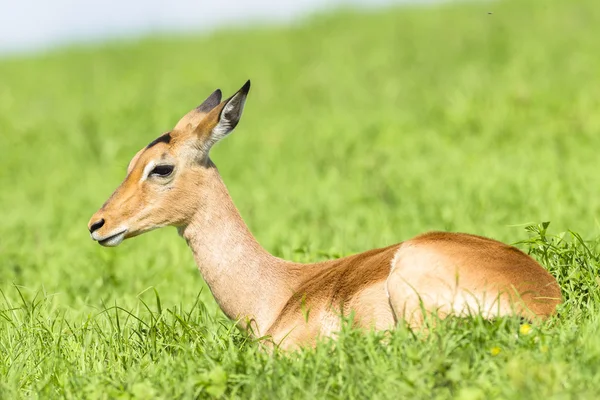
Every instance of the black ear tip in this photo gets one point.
(218, 93)
(246, 88)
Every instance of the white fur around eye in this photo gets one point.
(147, 169)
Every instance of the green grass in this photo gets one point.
(361, 130)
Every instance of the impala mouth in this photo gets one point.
(112, 240)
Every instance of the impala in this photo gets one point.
(173, 182)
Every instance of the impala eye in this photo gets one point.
(162, 170)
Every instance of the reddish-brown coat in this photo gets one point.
(295, 304)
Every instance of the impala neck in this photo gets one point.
(248, 283)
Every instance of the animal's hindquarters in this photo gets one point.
(459, 274)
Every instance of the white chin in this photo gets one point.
(113, 240)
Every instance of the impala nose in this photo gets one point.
(97, 225)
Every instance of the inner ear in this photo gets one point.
(232, 112)
(229, 115)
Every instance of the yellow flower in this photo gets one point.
(525, 329)
(495, 351)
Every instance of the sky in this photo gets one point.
(29, 25)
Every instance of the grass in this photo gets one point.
(361, 130)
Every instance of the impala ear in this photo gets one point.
(224, 118)
(211, 102)
(197, 114)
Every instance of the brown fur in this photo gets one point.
(294, 304)
(333, 289)
(462, 273)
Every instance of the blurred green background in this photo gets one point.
(362, 129)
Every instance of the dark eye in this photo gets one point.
(162, 170)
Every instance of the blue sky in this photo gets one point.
(37, 24)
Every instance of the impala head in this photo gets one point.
(164, 179)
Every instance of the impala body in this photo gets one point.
(173, 182)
